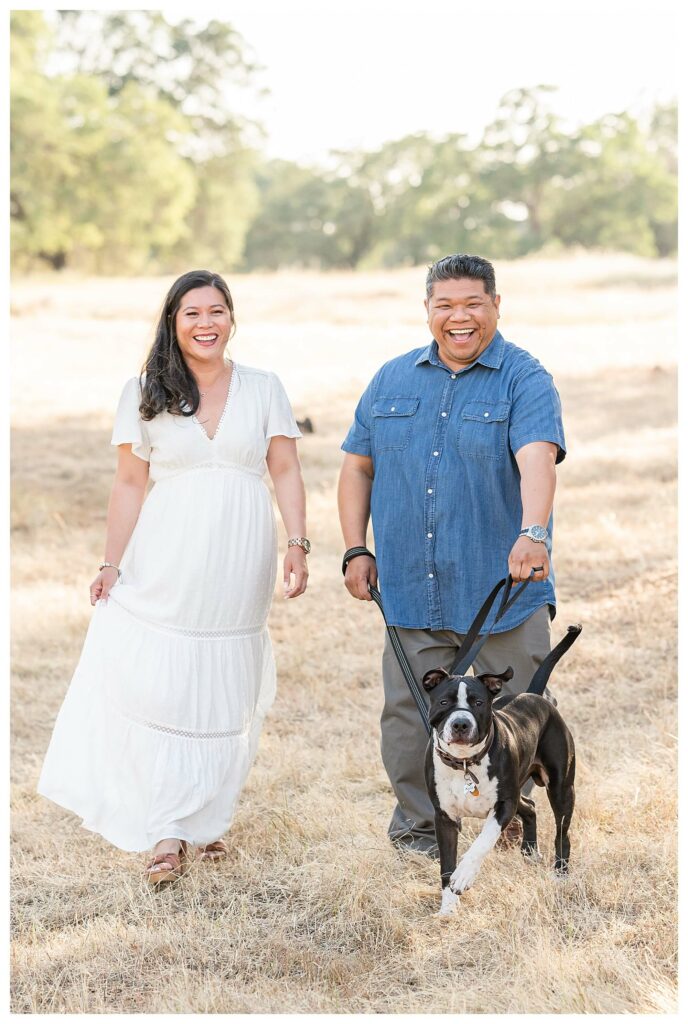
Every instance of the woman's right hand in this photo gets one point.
(103, 584)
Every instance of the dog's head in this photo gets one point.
(461, 706)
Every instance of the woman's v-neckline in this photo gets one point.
(230, 388)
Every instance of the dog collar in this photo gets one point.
(462, 763)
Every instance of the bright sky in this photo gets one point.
(356, 73)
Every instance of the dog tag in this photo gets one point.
(469, 787)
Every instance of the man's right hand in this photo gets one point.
(360, 572)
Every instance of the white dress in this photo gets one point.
(161, 721)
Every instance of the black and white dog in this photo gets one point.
(481, 752)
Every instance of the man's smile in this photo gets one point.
(461, 334)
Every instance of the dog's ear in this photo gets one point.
(494, 682)
(433, 677)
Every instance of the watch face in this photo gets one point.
(306, 546)
(538, 533)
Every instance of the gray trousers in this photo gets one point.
(403, 735)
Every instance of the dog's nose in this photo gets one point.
(460, 727)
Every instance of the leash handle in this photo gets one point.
(354, 553)
(473, 642)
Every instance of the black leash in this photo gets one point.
(472, 642)
(470, 646)
(395, 641)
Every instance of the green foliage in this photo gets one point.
(530, 183)
(214, 230)
(126, 156)
(308, 219)
(619, 194)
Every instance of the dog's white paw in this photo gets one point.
(450, 901)
(465, 874)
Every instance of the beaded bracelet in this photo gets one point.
(109, 565)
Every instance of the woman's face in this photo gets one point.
(203, 324)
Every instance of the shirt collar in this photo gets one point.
(492, 356)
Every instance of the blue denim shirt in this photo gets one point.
(446, 502)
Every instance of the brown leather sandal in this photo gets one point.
(214, 851)
(177, 865)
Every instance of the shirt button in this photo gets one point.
(430, 575)
(444, 414)
(435, 453)
(394, 409)
(429, 490)
(486, 414)
(453, 376)
(429, 535)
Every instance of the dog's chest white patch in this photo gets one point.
(449, 784)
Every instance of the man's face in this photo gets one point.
(462, 319)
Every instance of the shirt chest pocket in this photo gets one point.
(483, 429)
(392, 422)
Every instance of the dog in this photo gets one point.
(482, 750)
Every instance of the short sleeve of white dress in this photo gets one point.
(129, 427)
(280, 419)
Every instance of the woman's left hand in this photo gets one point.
(295, 563)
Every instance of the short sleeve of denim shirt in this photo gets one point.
(357, 441)
(536, 411)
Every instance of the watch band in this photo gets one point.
(537, 533)
(300, 542)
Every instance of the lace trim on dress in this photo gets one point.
(230, 389)
(195, 634)
(190, 734)
(211, 464)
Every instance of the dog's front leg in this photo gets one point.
(447, 835)
(469, 866)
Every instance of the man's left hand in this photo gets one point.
(527, 554)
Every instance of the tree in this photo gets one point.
(123, 144)
(194, 69)
(523, 160)
(92, 174)
(620, 194)
(307, 218)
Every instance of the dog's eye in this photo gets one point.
(443, 702)
(478, 703)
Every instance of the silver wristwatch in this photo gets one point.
(537, 533)
(300, 542)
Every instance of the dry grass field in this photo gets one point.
(314, 911)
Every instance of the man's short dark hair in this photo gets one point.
(449, 268)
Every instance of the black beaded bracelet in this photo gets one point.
(354, 553)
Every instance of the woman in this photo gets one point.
(161, 722)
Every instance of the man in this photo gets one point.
(453, 451)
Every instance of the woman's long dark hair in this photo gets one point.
(169, 383)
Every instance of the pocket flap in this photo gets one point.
(486, 412)
(395, 406)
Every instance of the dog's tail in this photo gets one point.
(539, 680)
